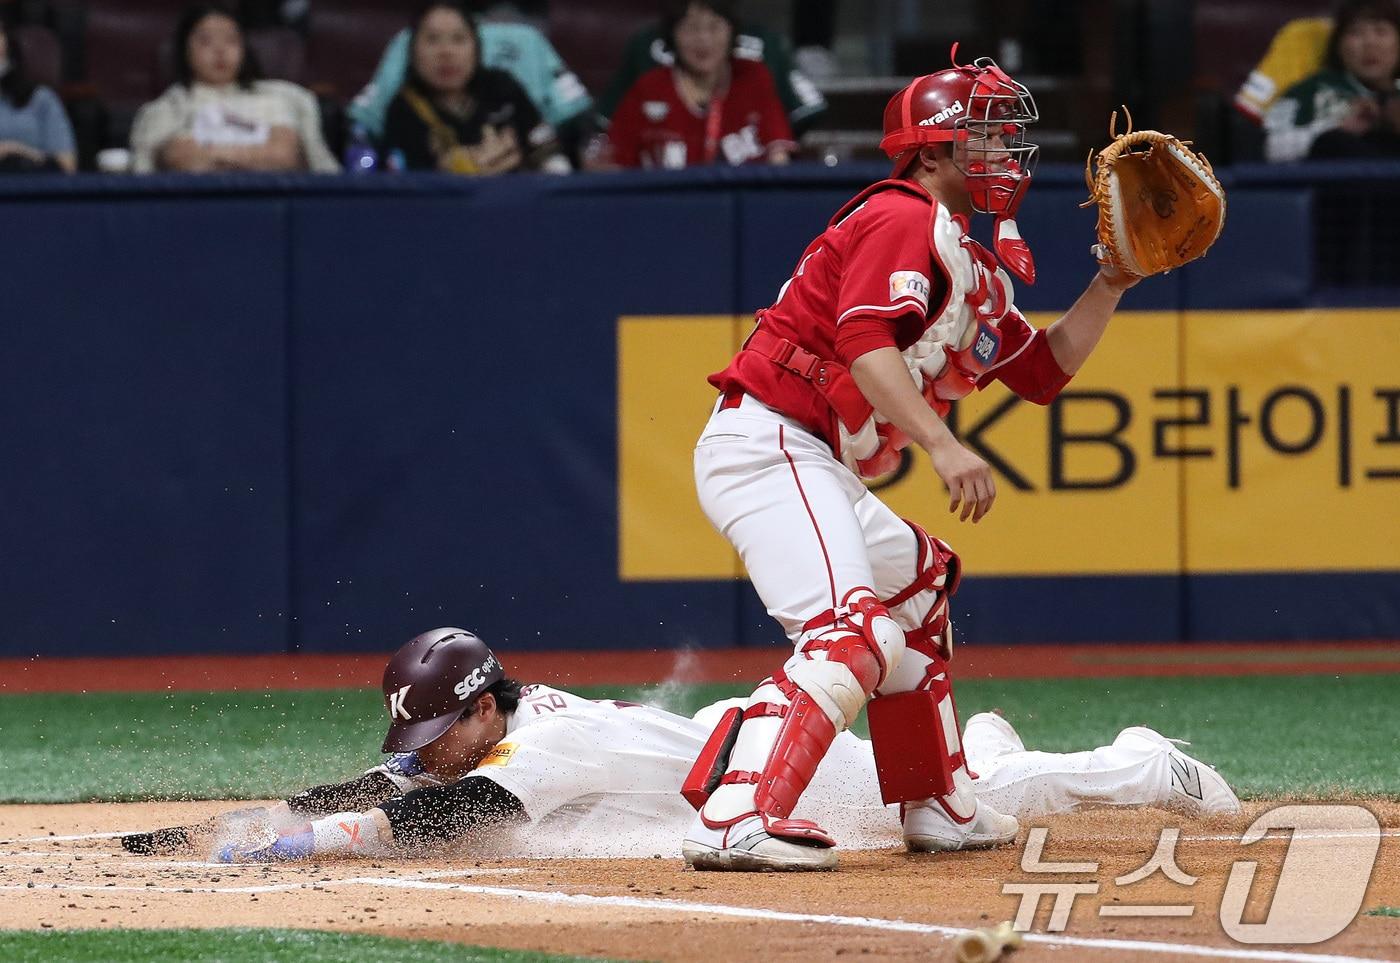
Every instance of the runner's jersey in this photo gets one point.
(562, 752)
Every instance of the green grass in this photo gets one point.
(1385, 911)
(242, 946)
(1318, 735)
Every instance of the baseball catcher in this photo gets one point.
(481, 759)
(893, 313)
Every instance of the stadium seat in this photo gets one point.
(1232, 35)
(345, 39)
(43, 55)
(280, 51)
(122, 40)
(591, 36)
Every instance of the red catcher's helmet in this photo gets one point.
(430, 681)
(978, 106)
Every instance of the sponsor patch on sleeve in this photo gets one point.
(909, 284)
(499, 756)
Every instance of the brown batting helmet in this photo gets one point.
(430, 681)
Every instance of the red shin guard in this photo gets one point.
(805, 737)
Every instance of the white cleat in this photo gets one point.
(748, 847)
(929, 829)
(1195, 788)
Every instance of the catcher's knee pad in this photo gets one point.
(921, 607)
(855, 648)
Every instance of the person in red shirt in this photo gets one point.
(892, 313)
(709, 108)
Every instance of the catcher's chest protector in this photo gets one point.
(963, 342)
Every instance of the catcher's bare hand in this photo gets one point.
(969, 480)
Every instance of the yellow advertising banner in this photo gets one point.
(1199, 442)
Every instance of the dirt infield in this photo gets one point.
(564, 669)
(881, 902)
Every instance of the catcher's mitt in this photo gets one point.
(1160, 205)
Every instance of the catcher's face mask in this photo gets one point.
(990, 146)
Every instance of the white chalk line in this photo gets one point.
(430, 880)
(258, 888)
(1222, 838)
(68, 839)
(863, 922)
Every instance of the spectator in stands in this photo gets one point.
(1351, 108)
(219, 116)
(650, 48)
(1295, 53)
(454, 114)
(517, 48)
(35, 134)
(710, 107)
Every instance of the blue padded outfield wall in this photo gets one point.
(264, 414)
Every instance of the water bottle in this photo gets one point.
(360, 155)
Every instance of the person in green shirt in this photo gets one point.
(1350, 108)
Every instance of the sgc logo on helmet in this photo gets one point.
(475, 679)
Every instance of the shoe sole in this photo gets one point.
(706, 858)
(938, 844)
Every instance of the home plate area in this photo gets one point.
(63, 868)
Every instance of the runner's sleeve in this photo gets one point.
(396, 776)
(437, 814)
(1030, 370)
(885, 276)
(547, 765)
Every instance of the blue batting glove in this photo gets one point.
(299, 843)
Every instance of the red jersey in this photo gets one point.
(875, 279)
(655, 126)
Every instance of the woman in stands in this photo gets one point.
(219, 115)
(1351, 108)
(456, 116)
(709, 107)
(34, 131)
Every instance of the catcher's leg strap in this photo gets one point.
(793, 718)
